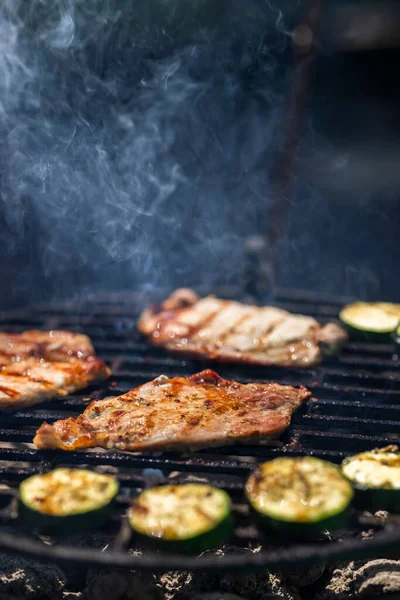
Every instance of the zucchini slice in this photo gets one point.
(301, 496)
(371, 320)
(66, 499)
(396, 338)
(375, 476)
(185, 518)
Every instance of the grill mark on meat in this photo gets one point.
(262, 340)
(208, 320)
(44, 382)
(194, 329)
(212, 412)
(8, 391)
(26, 376)
(174, 317)
(264, 336)
(222, 337)
(40, 365)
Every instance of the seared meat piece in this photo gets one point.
(38, 365)
(168, 414)
(225, 330)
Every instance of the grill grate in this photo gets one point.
(357, 408)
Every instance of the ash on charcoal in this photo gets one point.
(357, 579)
(378, 577)
(25, 580)
(174, 584)
(30, 580)
(361, 579)
(250, 586)
(280, 588)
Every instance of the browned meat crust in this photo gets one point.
(200, 411)
(229, 331)
(38, 365)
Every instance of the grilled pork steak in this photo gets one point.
(38, 365)
(164, 414)
(229, 331)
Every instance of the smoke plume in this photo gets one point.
(137, 141)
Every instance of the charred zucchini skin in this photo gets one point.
(359, 335)
(31, 518)
(304, 529)
(374, 498)
(365, 333)
(396, 339)
(215, 535)
(195, 545)
(375, 337)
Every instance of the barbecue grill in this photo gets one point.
(356, 408)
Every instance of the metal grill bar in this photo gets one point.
(356, 407)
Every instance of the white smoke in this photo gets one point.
(136, 140)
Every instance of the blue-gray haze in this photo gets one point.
(137, 142)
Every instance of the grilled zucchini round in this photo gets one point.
(301, 496)
(66, 500)
(189, 518)
(374, 321)
(375, 476)
(396, 338)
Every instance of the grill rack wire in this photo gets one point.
(357, 409)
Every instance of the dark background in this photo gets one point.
(138, 141)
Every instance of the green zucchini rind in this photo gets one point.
(396, 338)
(300, 496)
(373, 321)
(188, 518)
(375, 476)
(66, 500)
